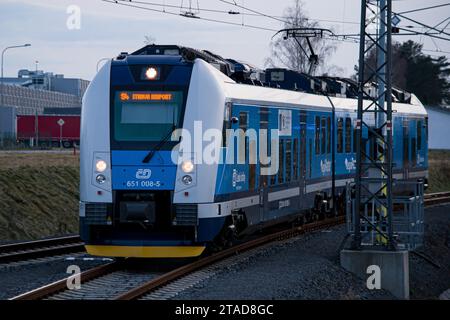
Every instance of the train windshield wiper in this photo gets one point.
(158, 147)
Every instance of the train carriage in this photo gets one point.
(142, 194)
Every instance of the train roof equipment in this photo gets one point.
(282, 78)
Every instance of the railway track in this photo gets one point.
(103, 282)
(437, 198)
(22, 251)
(112, 281)
(115, 281)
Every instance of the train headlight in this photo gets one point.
(100, 165)
(187, 180)
(100, 179)
(187, 166)
(151, 73)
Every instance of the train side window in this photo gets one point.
(348, 135)
(252, 178)
(226, 124)
(252, 163)
(405, 144)
(413, 152)
(281, 159)
(317, 135)
(328, 135)
(340, 137)
(295, 160)
(243, 147)
(355, 132)
(288, 161)
(302, 118)
(310, 157)
(323, 134)
(273, 179)
(264, 125)
(243, 120)
(419, 135)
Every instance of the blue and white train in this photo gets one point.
(135, 201)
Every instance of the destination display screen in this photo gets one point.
(145, 96)
(146, 115)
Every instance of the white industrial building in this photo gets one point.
(438, 127)
(35, 93)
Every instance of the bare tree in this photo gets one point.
(149, 40)
(287, 53)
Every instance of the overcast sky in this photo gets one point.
(107, 29)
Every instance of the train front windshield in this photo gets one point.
(146, 115)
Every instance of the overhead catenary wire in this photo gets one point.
(130, 4)
(422, 24)
(164, 5)
(351, 38)
(255, 11)
(229, 12)
(417, 33)
(401, 14)
(437, 51)
(425, 8)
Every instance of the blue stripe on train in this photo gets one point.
(129, 173)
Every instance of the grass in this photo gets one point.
(439, 170)
(15, 160)
(38, 195)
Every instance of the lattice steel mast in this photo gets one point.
(373, 189)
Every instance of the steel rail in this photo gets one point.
(40, 248)
(437, 198)
(38, 243)
(97, 272)
(61, 285)
(437, 195)
(189, 268)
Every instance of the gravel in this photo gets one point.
(17, 278)
(308, 268)
(430, 277)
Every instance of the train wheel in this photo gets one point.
(340, 204)
(301, 220)
(309, 216)
(225, 238)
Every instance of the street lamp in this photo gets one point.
(3, 53)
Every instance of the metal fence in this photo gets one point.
(408, 212)
(8, 141)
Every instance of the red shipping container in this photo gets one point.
(48, 129)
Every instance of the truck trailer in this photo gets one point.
(49, 130)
